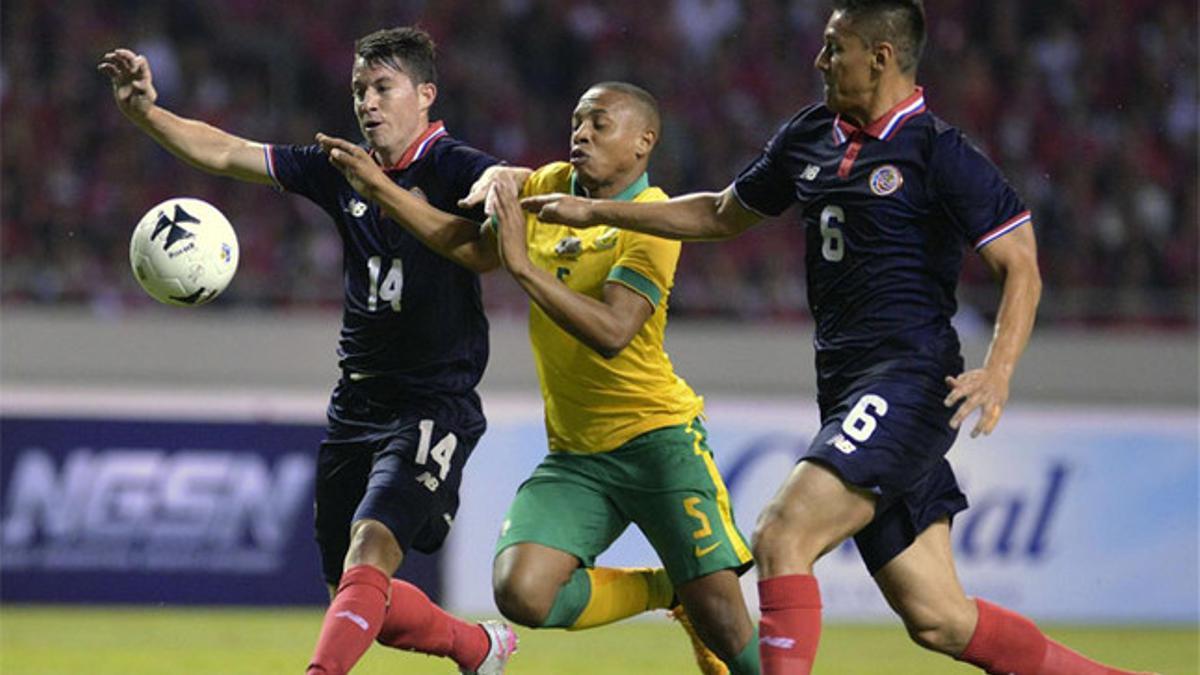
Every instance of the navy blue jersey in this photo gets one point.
(409, 314)
(887, 210)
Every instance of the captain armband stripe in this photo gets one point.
(638, 282)
(1003, 229)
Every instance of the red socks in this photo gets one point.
(360, 612)
(1006, 642)
(791, 624)
(414, 623)
(351, 622)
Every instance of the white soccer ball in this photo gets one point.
(184, 252)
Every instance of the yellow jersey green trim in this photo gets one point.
(636, 281)
(626, 195)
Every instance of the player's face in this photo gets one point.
(608, 140)
(845, 63)
(391, 110)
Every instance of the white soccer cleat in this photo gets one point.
(504, 645)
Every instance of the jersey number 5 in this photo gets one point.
(833, 248)
(389, 290)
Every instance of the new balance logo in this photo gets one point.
(841, 443)
(356, 208)
(347, 614)
(810, 172)
(777, 642)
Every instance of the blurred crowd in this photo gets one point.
(1089, 106)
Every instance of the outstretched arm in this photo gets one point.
(197, 143)
(453, 237)
(607, 326)
(698, 216)
(1013, 259)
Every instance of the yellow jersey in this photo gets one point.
(593, 404)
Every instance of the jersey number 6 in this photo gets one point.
(833, 248)
(861, 422)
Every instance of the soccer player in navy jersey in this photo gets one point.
(889, 194)
(404, 415)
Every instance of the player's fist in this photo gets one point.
(132, 82)
(562, 209)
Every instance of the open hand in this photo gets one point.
(980, 388)
(360, 169)
(132, 82)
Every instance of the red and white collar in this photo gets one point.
(885, 127)
(417, 149)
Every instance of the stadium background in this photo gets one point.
(1088, 488)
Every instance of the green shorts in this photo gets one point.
(664, 481)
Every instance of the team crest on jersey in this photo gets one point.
(356, 208)
(885, 180)
(568, 247)
(606, 240)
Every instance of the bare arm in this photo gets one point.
(197, 143)
(607, 326)
(698, 216)
(1013, 259)
(449, 235)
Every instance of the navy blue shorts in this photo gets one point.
(399, 462)
(891, 436)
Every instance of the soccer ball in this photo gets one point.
(183, 252)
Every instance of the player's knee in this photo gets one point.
(372, 543)
(522, 597)
(778, 537)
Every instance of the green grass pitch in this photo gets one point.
(41, 640)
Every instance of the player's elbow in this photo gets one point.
(610, 348)
(480, 264)
(476, 258)
(724, 229)
(613, 340)
(1026, 273)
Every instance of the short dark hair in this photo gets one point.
(900, 22)
(641, 98)
(407, 49)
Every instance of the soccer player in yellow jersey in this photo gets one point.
(627, 444)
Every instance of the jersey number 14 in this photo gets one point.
(389, 290)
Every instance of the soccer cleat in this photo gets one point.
(504, 645)
(708, 661)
